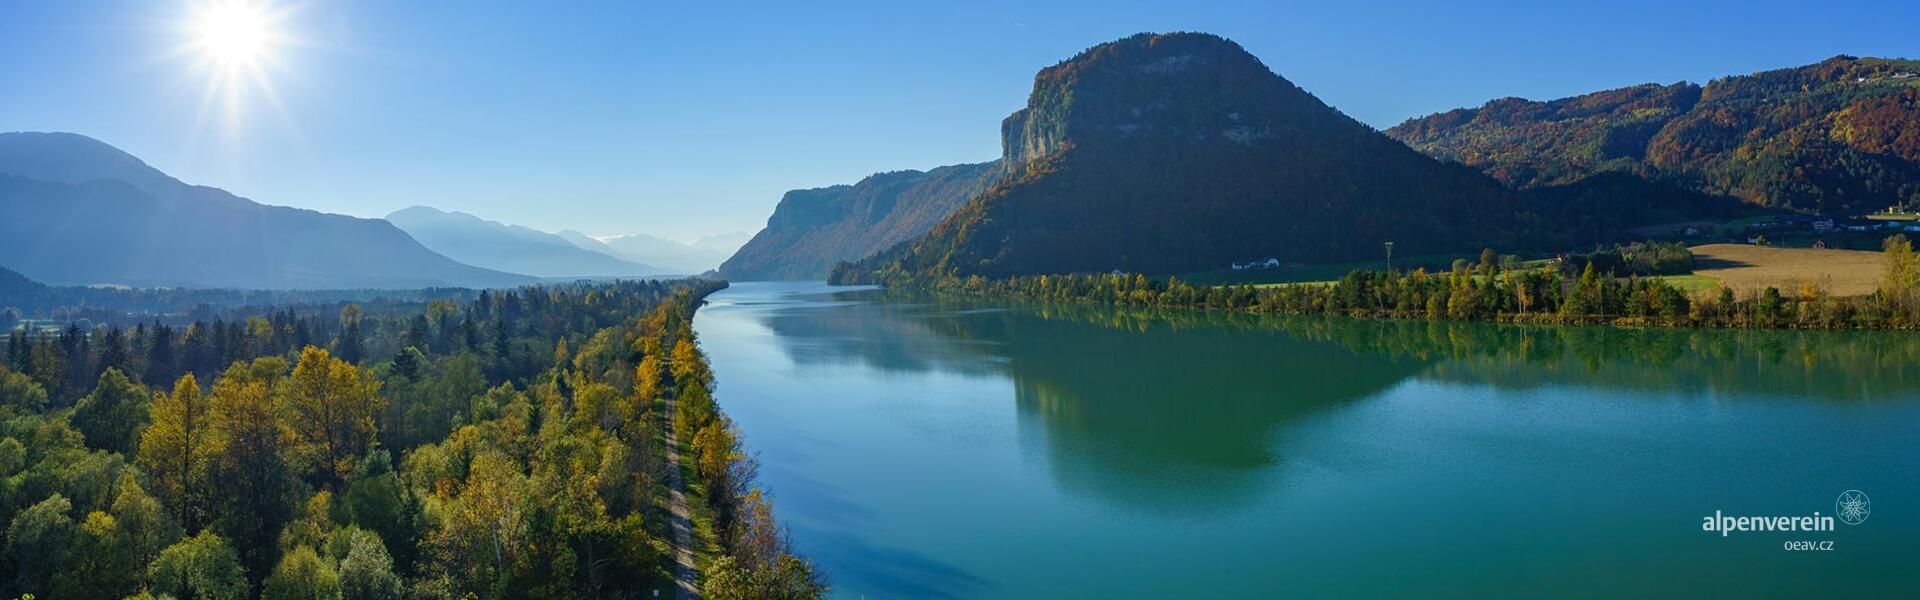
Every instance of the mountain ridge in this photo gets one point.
(513, 248)
(1838, 136)
(1163, 153)
(73, 220)
(813, 229)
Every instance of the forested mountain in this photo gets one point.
(1182, 152)
(81, 212)
(511, 248)
(1842, 135)
(813, 229)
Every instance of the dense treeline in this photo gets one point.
(508, 447)
(23, 298)
(1492, 290)
(1638, 258)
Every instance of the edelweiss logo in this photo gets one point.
(1853, 507)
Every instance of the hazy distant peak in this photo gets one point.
(79, 211)
(74, 158)
(724, 243)
(513, 248)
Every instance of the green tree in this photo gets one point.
(19, 391)
(113, 352)
(112, 415)
(256, 489)
(148, 527)
(13, 457)
(407, 362)
(350, 346)
(302, 575)
(160, 357)
(39, 541)
(103, 565)
(380, 502)
(202, 567)
(366, 572)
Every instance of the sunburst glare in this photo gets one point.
(232, 32)
(235, 46)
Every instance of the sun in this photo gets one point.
(235, 48)
(233, 33)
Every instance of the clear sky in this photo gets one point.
(688, 118)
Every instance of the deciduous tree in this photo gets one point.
(177, 450)
(329, 407)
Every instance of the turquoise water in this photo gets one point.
(934, 447)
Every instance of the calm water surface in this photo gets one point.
(934, 447)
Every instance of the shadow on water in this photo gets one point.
(1170, 420)
(898, 572)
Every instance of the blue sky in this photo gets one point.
(689, 118)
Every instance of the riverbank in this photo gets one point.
(723, 522)
(1486, 293)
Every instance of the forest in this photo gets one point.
(1841, 136)
(510, 445)
(1612, 287)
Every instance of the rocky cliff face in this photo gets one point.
(1182, 152)
(813, 229)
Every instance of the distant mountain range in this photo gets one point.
(511, 248)
(81, 212)
(675, 257)
(813, 229)
(1838, 136)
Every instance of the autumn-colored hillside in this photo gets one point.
(1839, 136)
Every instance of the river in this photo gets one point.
(933, 447)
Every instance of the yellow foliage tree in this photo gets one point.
(177, 450)
(329, 409)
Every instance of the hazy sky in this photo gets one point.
(689, 118)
